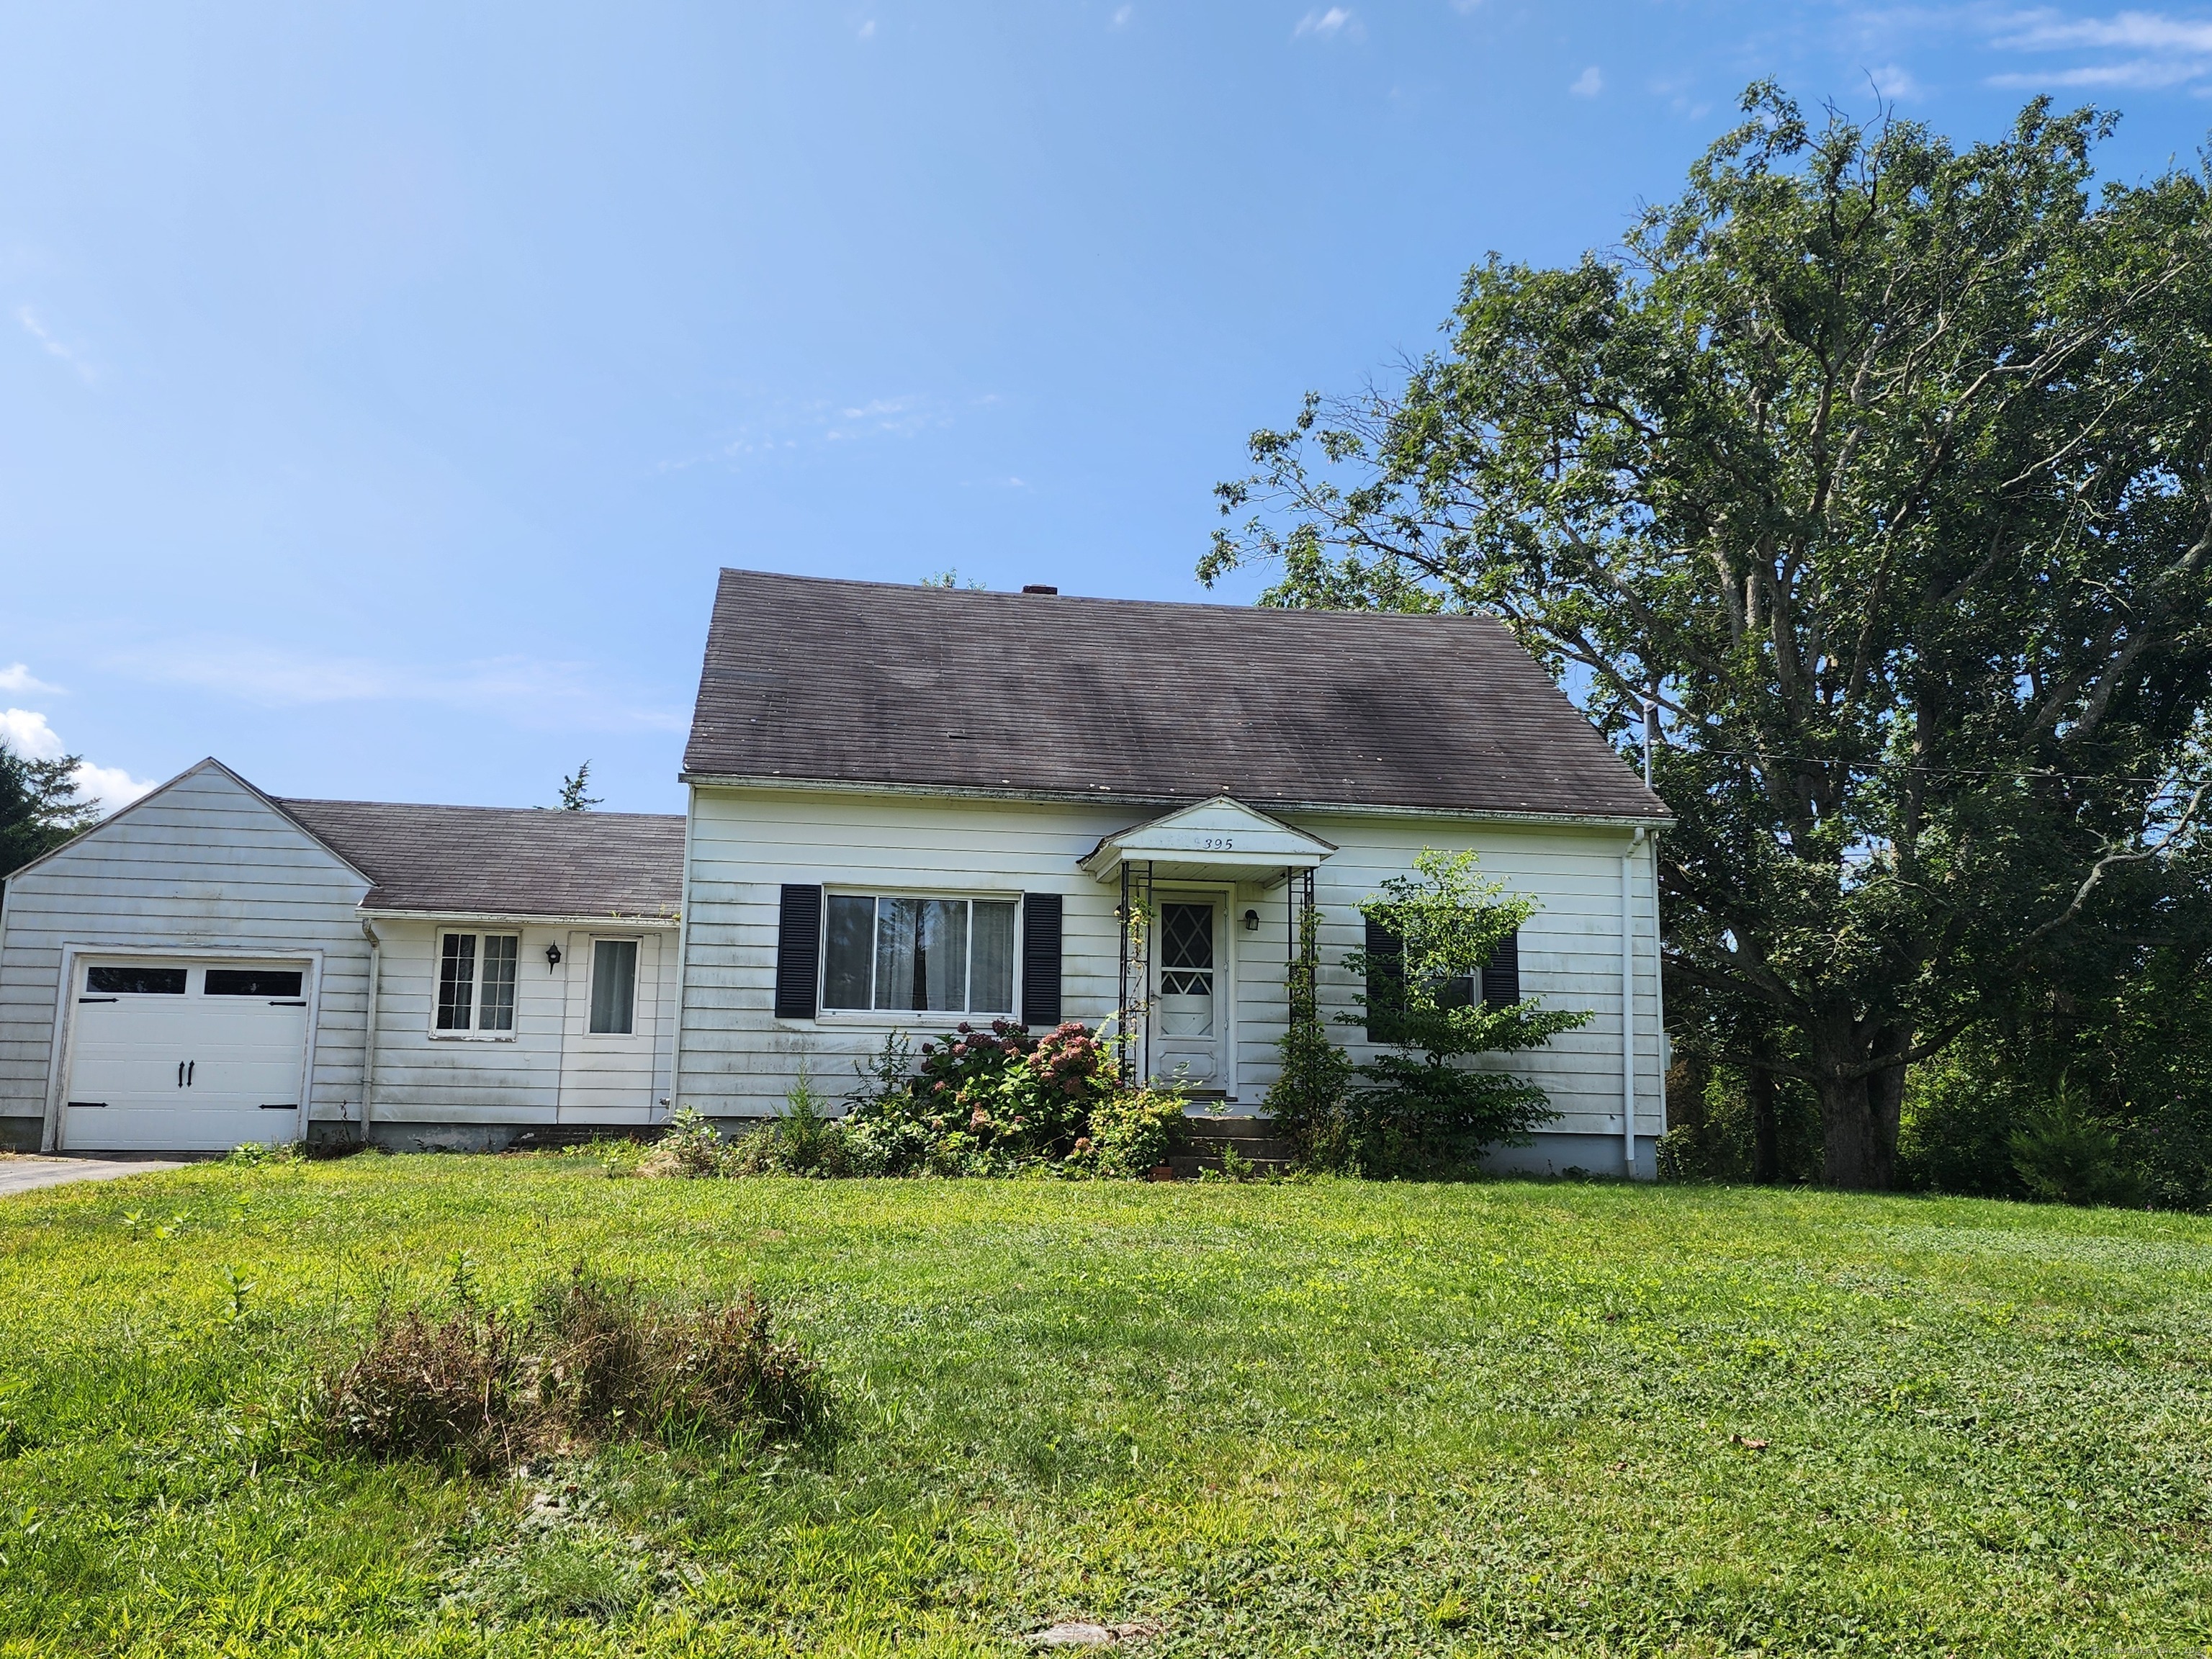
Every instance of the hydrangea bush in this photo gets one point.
(995, 1100)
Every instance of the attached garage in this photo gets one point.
(214, 966)
(182, 1055)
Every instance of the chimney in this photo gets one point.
(1037, 588)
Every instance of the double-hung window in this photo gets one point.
(897, 952)
(475, 981)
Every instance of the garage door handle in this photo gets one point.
(96, 999)
(302, 1004)
(188, 1070)
(180, 1074)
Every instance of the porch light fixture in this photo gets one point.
(1251, 921)
(552, 957)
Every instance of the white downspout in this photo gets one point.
(1628, 1005)
(369, 1028)
(682, 954)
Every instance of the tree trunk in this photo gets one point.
(1765, 1132)
(1858, 1124)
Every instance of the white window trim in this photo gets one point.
(636, 1033)
(476, 985)
(889, 1019)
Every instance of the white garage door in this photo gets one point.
(201, 1056)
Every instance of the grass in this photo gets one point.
(1332, 1418)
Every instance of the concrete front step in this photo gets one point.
(1254, 1140)
(1273, 1151)
(1187, 1168)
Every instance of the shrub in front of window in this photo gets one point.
(805, 1141)
(1426, 1110)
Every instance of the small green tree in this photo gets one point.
(575, 796)
(39, 807)
(1425, 1110)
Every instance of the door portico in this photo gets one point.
(1178, 876)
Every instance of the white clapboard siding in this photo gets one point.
(204, 863)
(736, 1059)
(532, 1076)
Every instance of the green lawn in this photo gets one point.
(1323, 1418)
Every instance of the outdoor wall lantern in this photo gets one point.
(1251, 921)
(552, 956)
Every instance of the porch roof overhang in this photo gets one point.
(1217, 840)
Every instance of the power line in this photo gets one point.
(2023, 776)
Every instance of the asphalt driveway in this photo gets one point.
(24, 1175)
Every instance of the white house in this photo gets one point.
(908, 806)
(911, 805)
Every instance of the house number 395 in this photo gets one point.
(1217, 843)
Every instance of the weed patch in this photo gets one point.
(588, 1361)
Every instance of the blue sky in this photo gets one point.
(381, 386)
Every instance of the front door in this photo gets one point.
(1190, 1012)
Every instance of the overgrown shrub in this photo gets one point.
(2063, 1156)
(1307, 1101)
(805, 1141)
(1425, 1110)
(1132, 1134)
(989, 1101)
(587, 1360)
(691, 1147)
(981, 1101)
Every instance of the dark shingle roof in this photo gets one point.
(497, 861)
(872, 682)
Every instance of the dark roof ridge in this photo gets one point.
(450, 806)
(1208, 607)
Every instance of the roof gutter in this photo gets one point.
(1116, 797)
(521, 918)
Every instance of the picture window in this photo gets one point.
(900, 953)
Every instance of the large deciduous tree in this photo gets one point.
(1881, 469)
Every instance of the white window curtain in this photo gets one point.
(614, 987)
(900, 954)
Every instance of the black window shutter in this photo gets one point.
(799, 952)
(1386, 983)
(1041, 931)
(1501, 974)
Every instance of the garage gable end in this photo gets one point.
(206, 808)
(205, 874)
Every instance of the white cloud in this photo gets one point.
(529, 691)
(55, 346)
(2158, 50)
(791, 425)
(17, 677)
(2150, 72)
(1896, 82)
(1588, 84)
(1328, 25)
(111, 785)
(25, 732)
(868, 30)
(1122, 14)
(2135, 30)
